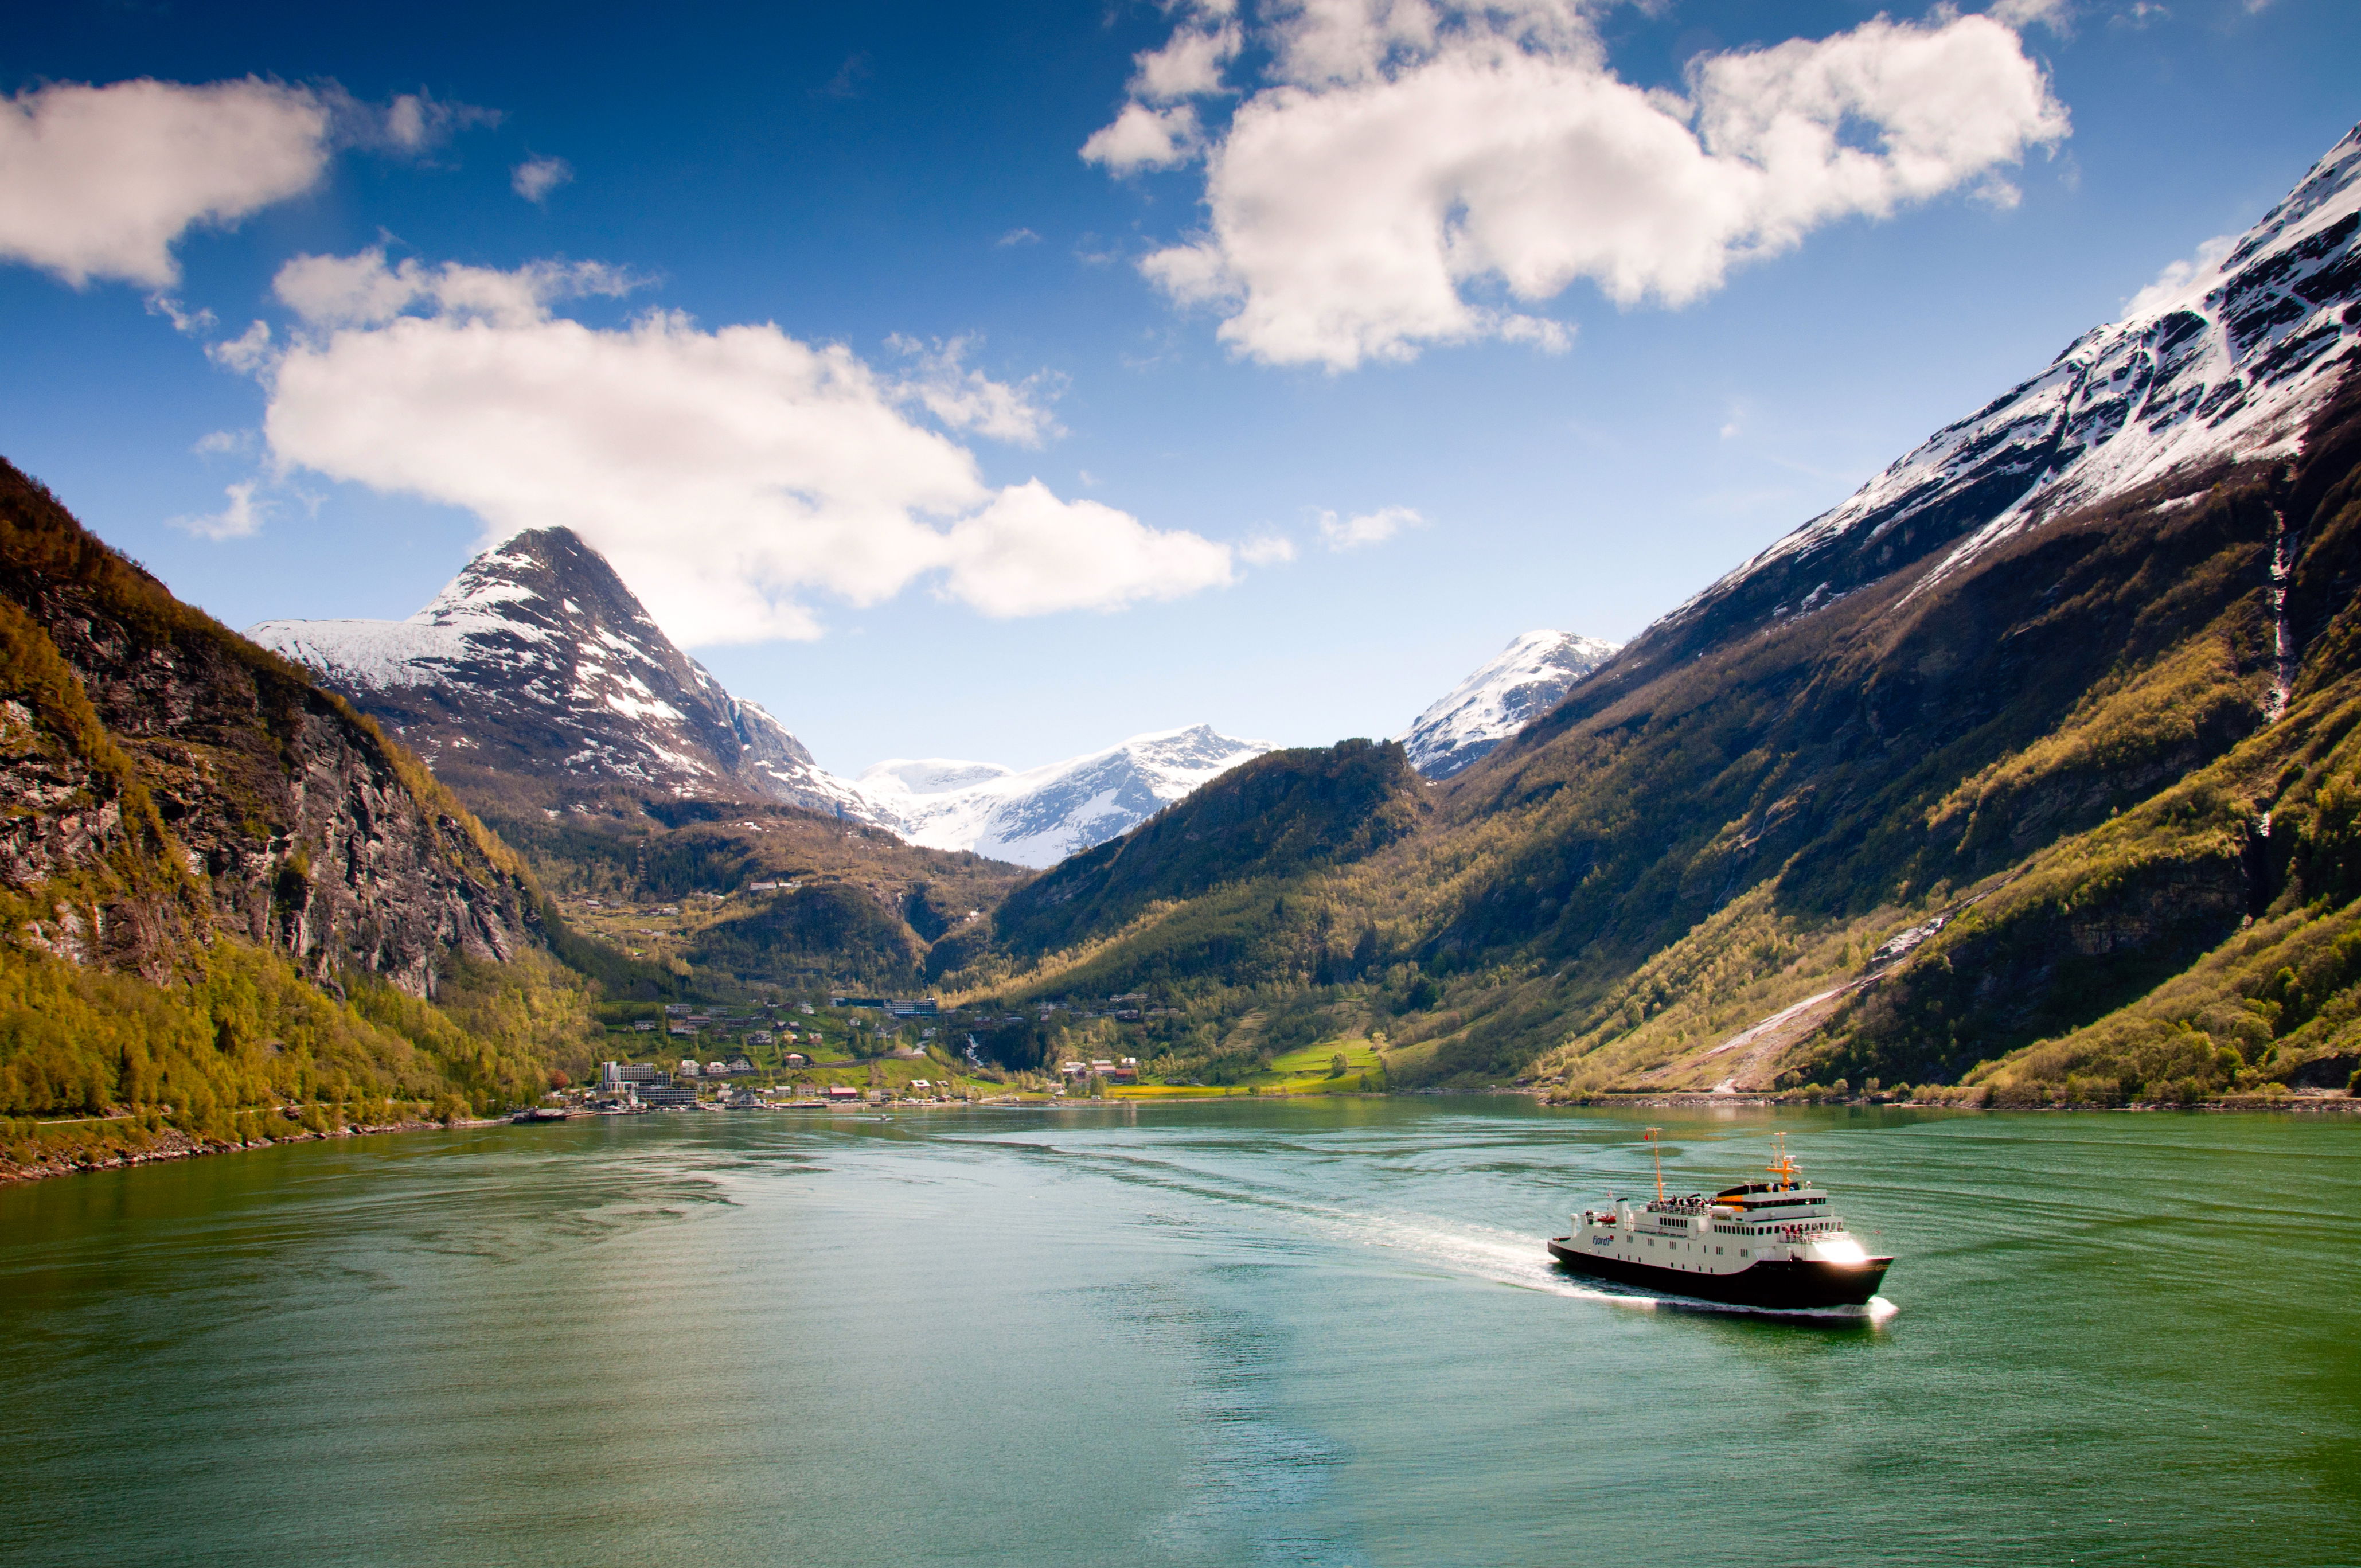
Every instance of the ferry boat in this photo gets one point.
(1774, 1244)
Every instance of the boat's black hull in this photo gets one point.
(1774, 1285)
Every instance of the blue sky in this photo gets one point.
(962, 467)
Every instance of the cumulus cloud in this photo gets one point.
(1370, 527)
(1141, 137)
(1190, 64)
(1411, 162)
(100, 181)
(241, 519)
(1029, 553)
(362, 290)
(1268, 550)
(535, 178)
(730, 475)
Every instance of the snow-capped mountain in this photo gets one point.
(1038, 817)
(2223, 365)
(1501, 698)
(537, 660)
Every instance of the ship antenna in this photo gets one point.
(1781, 1165)
(1651, 1134)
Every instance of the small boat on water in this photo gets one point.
(533, 1113)
(1774, 1245)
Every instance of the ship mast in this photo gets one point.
(1651, 1134)
(1781, 1165)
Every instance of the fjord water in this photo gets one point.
(1244, 1333)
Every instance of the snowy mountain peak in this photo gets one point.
(1502, 697)
(537, 660)
(2222, 361)
(1040, 815)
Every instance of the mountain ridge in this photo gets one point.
(1998, 753)
(1038, 817)
(537, 661)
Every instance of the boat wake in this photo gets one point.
(1508, 1257)
(1502, 1257)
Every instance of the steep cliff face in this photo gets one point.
(164, 779)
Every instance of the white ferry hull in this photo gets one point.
(1774, 1284)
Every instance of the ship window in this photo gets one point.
(1717, 1252)
(1743, 1253)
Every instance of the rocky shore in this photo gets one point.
(171, 1143)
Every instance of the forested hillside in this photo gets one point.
(2025, 770)
(225, 900)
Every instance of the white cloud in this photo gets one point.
(100, 182)
(414, 123)
(1028, 554)
(241, 519)
(535, 178)
(1370, 527)
(2177, 277)
(2057, 15)
(1189, 64)
(1141, 137)
(185, 321)
(1270, 550)
(218, 443)
(1410, 152)
(1018, 236)
(729, 474)
(247, 353)
(362, 290)
(969, 400)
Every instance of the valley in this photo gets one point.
(2025, 776)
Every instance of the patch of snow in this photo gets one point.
(1524, 681)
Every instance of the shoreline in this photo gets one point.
(172, 1144)
(2329, 1104)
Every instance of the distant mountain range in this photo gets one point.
(1041, 816)
(537, 665)
(1529, 678)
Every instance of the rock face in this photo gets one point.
(168, 779)
(536, 662)
(1042, 815)
(1501, 698)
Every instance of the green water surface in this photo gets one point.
(1279, 1333)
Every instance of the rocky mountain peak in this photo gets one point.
(537, 660)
